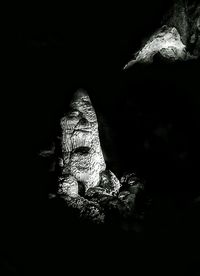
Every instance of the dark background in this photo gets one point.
(148, 120)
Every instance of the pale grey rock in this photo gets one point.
(68, 186)
(48, 152)
(166, 41)
(88, 189)
(109, 182)
(177, 39)
(81, 149)
(82, 163)
(96, 191)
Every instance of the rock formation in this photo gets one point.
(82, 155)
(177, 39)
(86, 186)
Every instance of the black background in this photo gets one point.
(149, 123)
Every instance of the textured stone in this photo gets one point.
(177, 39)
(167, 42)
(86, 210)
(178, 18)
(109, 182)
(81, 150)
(84, 181)
(68, 186)
(88, 189)
(123, 194)
(194, 35)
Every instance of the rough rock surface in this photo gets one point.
(88, 189)
(81, 151)
(99, 206)
(167, 42)
(177, 39)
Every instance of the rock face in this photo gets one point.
(89, 190)
(81, 151)
(83, 169)
(167, 42)
(177, 39)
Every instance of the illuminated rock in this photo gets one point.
(167, 42)
(177, 39)
(89, 190)
(83, 163)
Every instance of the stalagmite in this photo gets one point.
(87, 187)
(83, 161)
